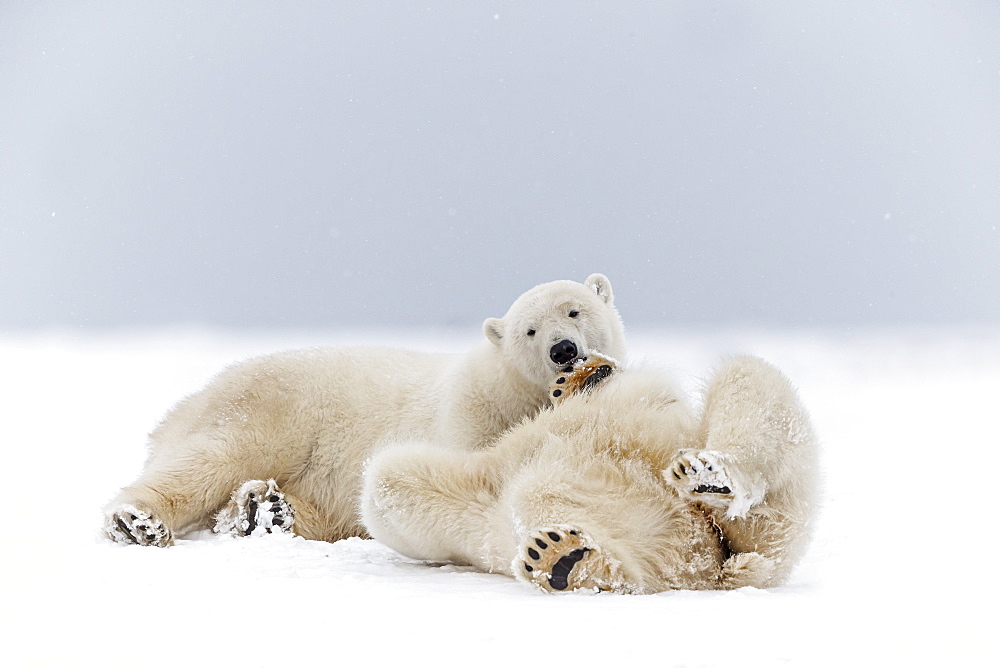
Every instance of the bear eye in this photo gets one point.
(573, 314)
(531, 332)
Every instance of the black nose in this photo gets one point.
(563, 352)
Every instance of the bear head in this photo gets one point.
(554, 324)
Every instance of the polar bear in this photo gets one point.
(289, 432)
(621, 487)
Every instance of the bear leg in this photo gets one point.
(439, 504)
(183, 484)
(758, 443)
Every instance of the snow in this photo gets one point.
(898, 572)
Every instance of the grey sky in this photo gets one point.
(354, 164)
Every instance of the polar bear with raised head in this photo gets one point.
(623, 486)
(278, 442)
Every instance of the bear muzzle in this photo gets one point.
(563, 352)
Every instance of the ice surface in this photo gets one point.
(897, 574)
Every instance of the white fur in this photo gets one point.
(309, 419)
(601, 463)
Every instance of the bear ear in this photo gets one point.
(601, 286)
(493, 329)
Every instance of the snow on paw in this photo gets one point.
(129, 525)
(700, 475)
(563, 558)
(256, 507)
(714, 480)
(581, 376)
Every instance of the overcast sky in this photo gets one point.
(351, 164)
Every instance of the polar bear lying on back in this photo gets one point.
(620, 487)
(290, 432)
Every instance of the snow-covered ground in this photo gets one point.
(900, 572)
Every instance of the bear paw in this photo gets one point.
(257, 506)
(711, 478)
(562, 558)
(700, 475)
(130, 526)
(581, 376)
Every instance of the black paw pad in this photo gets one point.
(559, 579)
(712, 489)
